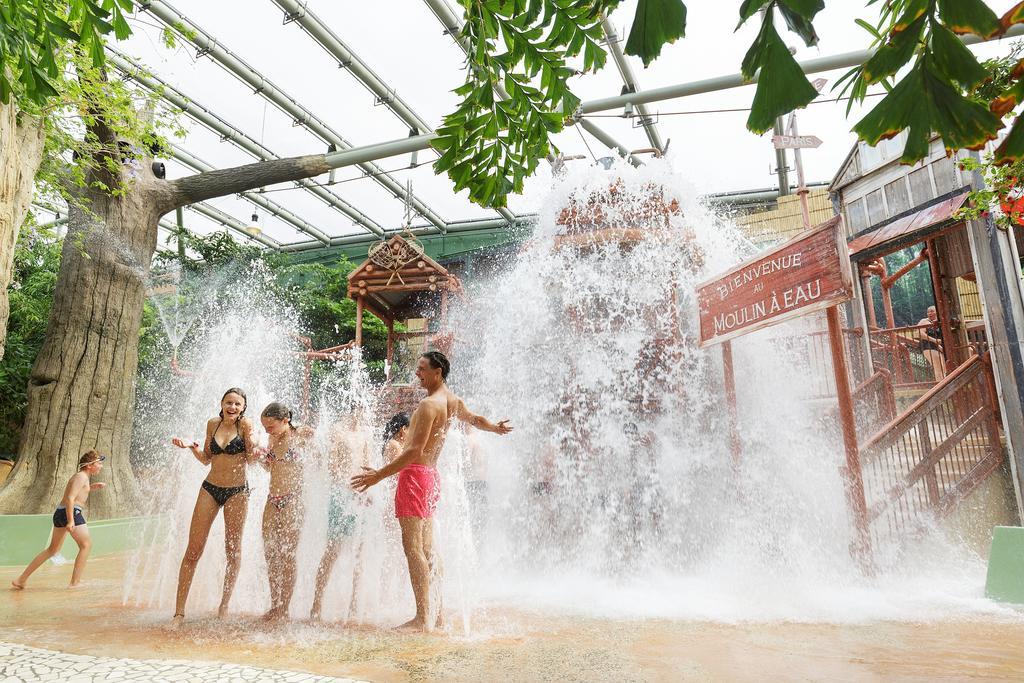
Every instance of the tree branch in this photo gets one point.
(228, 181)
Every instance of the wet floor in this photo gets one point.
(513, 644)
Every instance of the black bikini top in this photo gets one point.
(234, 447)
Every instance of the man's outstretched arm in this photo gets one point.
(415, 442)
(481, 422)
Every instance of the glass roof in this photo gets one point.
(405, 44)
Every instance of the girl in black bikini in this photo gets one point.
(225, 487)
(283, 514)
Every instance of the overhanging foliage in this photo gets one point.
(534, 47)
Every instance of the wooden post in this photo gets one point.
(852, 476)
(948, 342)
(444, 308)
(359, 321)
(730, 399)
(390, 351)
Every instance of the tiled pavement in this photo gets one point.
(20, 663)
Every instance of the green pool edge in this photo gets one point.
(1005, 579)
(22, 537)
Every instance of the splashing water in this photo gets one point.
(248, 342)
(616, 495)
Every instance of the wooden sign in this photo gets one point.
(808, 273)
(796, 141)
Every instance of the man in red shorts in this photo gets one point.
(418, 484)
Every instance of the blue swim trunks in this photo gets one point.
(60, 517)
(339, 521)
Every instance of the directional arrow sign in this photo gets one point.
(796, 141)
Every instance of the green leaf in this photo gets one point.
(892, 56)
(655, 23)
(800, 25)
(913, 10)
(805, 8)
(781, 84)
(1011, 150)
(1015, 15)
(121, 28)
(962, 122)
(869, 28)
(969, 16)
(61, 28)
(923, 103)
(953, 60)
(749, 8)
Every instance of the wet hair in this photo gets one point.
(88, 458)
(395, 425)
(235, 390)
(278, 411)
(438, 361)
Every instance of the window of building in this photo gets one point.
(946, 175)
(896, 196)
(876, 207)
(857, 215)
(921, 186)
(884, 151)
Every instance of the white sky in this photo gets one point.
(403, 42)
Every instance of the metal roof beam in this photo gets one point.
(407, 145)
(215, 215)
(233, 135)
(456, 227)
(198, 165)
(207, 44)
(453, 27)
(347, 59)
(227, 220)
(809, 66)
(631, 83)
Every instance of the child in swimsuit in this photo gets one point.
(75, 494)
(349, 453)
(227, 449)
(283, 513)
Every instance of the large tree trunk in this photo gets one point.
(21, 151)
(81, 393)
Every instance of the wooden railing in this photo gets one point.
(874, 402)
(937, 451)
(902, 351)
(813, 350)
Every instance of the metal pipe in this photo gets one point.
(801, 184)
(781, 167)
(630, 80)
(810, 66)
(381, 150)
(609, 141)
(233, 135)
(197, 164)
(267, 90)
(347, 59)
(453, 27)
(707, 85)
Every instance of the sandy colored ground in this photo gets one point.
(513, 645)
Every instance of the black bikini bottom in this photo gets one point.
(221, 494)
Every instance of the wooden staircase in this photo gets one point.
(922, 462)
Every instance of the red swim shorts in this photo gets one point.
(419, 489)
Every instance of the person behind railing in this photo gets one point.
(931, 343)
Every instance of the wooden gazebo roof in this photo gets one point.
(399, 281)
